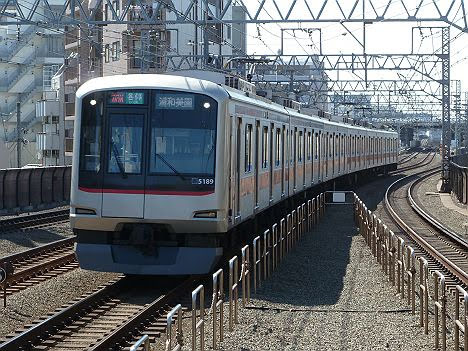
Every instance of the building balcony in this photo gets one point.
(47, 108)
(45, 141)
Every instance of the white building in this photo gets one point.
(29, 57)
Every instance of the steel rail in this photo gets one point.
(45, 330)
(408, 157)
(55, 322)
(431, 250)
(431, 220)
(421, 163)
(33, 220)
(38, 264)
(38, 250)
(144, 318)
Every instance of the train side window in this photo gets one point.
(265, 147)
(337, 145)
(292, 148)
(330, 146)
(278, 147)
(342, 145)
(248, 148)
(300, 146)
(309, 146)
(315, 141)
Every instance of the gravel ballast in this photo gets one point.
(428, 195)
(36, 301)
(327, 294)
(21, 240)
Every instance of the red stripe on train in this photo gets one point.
(148, 192)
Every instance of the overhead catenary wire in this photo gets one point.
(143, 58)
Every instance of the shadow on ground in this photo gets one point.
(31, 238)
(312, 275)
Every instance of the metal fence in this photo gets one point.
(404, 268)
(459, 180)
(33, 189)
(257, 262)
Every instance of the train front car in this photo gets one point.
(148, 189)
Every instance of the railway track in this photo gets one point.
(34, 220)
(113, 316)
(427, 160)
(36, 265)
(408, 158)
(445, 251)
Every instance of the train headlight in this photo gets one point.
(207, 105)
(84, 211)
(93, 102)
(205, 214)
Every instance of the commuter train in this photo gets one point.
(166, 169)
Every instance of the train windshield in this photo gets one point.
(154, 139)
(183, 134)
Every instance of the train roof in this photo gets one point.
(148, 81)
(181, 83)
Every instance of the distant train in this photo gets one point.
(166, 169)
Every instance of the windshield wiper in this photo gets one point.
(119, 163)
(170, 166)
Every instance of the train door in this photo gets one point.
(257, 160)
(124, 164)
(305, 157)
(340, 145)
(283, 158)
(331, 156)
(271, 159)
(295, 160)
(318, 149)
(238, 165)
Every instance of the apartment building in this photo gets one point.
(134, 48)
(29, 57)
(140, 48)
(204, 46)
(84, 57)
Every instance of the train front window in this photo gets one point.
(125, 144)
(183, 134)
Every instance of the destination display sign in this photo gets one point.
(126, 98)
(175, 101)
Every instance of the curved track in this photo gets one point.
(408, 158)
(427, 160)
(445, 251)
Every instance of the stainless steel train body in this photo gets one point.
(165, 167)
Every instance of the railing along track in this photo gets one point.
(38, 264)
(443, 251)
(34, 220)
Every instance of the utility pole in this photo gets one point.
(18, 133)
(457, 108)
(465, 125)
(446, 130)
(206, 47)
